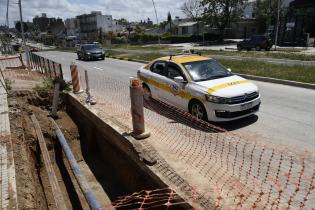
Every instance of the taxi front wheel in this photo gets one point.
(146, 93)
(198, 110)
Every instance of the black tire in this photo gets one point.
(197, 109)
(79, 58)
(257, 48)
(239, 47)
(146, 92)
(103, 58)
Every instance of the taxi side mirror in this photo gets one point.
(179, 79)
(229, 69)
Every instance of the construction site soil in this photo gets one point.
(33, 188)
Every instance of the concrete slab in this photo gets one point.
(8, 195)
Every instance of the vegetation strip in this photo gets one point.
(255, 68)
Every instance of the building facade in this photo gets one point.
(94, 25)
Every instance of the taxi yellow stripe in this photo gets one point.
(168, 89)
(225, 85)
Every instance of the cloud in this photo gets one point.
(134, 10)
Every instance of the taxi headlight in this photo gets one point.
(216, 99)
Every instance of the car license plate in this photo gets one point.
(246, 106)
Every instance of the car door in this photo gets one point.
(174, 93)
(80, 52)
(156, 75)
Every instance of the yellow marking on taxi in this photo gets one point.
(225, 85)
(187, 59)
(182, 94)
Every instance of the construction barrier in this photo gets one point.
(75, 79)
(136, 97)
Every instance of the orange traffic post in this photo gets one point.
(75, 79)
(136, 97)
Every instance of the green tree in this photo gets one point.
(192, 9)
(139, 30)
(220, 13)
(266, 13)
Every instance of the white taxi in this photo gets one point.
(201, 86)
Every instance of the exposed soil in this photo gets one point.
(33, 188)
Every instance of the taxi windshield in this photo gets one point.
(206, 70)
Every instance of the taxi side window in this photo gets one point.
(159, 68)
(174, 71)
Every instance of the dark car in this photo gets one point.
(90, 52)
(258, 42)
(34, 49)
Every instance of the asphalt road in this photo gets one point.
(287, 114)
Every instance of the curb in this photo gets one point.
(247, 76)
(128, 59)
(278, 81)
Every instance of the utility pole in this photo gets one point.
(277, 25)
(7, 16)
(157, 20)
(23, 37)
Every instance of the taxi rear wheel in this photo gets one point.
(197, 109)
(146, 92)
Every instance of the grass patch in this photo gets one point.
(275, 55)
(8, 84)
(138, 56)
(137, 47)
(293, 73)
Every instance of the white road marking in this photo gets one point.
(281, 62)
(238, 59)
(98, 68)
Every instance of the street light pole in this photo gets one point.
(277, 27)
(23, 37)
(157, 20)
(7, 15)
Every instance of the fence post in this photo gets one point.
(54, 68)
(49, 70)
(36, 61)
(21, 59)
(44, 65)
(75, 79)
(55, 100)
(32, 60)
(89, 97)
(60, 71)
(136, 97)
(40, 64)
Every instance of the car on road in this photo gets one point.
(90, 52)
(201, 86)
(258, 42)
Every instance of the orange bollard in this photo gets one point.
(75, 79)
(136, 97)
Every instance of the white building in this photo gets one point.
(91, 25)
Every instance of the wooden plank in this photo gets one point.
(56, 191)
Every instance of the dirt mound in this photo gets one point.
(33, 188)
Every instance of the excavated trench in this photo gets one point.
(106, 158)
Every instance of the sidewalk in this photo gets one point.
(8, 198)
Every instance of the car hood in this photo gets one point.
(95, 51)
(227, 87)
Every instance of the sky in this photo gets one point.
(133, 10)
